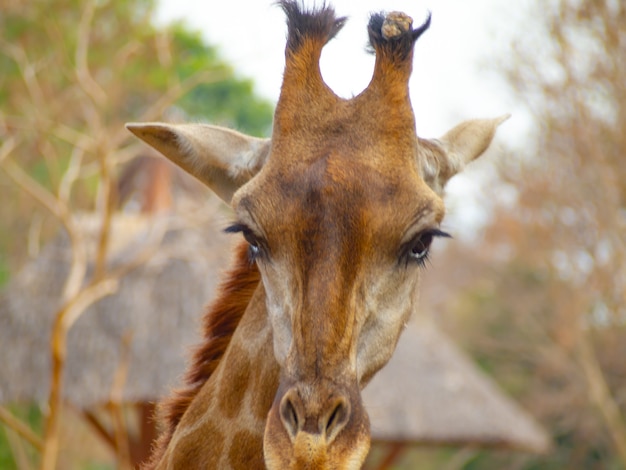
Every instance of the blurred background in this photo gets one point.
(108, 253)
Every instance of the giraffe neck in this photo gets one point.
(218, 420)
(223, 426)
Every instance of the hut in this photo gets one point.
(431, 394)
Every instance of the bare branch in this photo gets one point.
(158, 229)
(71, 175)
(115, 404)
(34, 235)
(86, 81)
(601, 397)
(20, 428)
(175, 92)
(51, 127)
(7, 147)
(78, 267)
(116, 157)
(27, 70)
(63, 321)
(164, 51)
(170, 97)
(18, 450)
(123, 55)
(62, 212)
(36, 190)
(74, 137)
(105, 207)
(99, 428)
(87, 297)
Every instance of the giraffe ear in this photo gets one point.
(221, 158)
(443, 158)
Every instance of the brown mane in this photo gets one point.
(219, 324)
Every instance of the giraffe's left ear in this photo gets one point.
(221, 158)
(441, 159)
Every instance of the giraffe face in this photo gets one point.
(340, 263)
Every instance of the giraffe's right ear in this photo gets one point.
(221, 158)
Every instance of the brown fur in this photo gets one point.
(219, 324)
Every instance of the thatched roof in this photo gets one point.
(428, 393)
(431, 393)
(158, 304)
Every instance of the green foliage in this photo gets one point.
(227, 102)
(6, 458)
(4, 271)
(30, 415)
(46, 102)
(98, 466)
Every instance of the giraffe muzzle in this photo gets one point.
(317, 425)
(301, 415)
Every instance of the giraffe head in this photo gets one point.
(339, 208)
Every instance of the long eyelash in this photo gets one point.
(439, 233)
(236, 228)
(245, 230)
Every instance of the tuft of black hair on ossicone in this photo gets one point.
(319, 23)
(399, 46)
(416, 33)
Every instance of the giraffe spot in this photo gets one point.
(265, 383)
(202, 449)
(246, 451)
(235, 382)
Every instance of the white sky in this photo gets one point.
(451, 79)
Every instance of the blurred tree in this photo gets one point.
(73, 72)
(545, 308)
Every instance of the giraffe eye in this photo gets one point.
(254, 249)
(251, 239)
(419, 247)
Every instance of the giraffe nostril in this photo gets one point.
(325, 418)
(336, 419)
(292, 413)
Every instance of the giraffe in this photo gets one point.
(338, 210)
